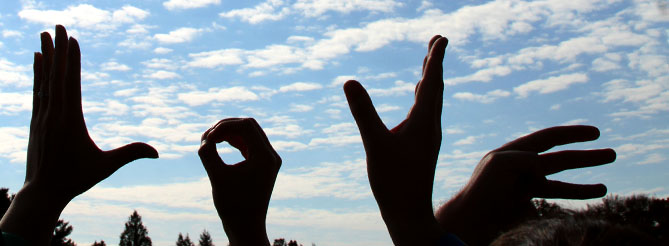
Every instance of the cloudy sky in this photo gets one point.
(163, 71)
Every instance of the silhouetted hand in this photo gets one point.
(63, 161)
(241, 191)
(401, 162)
(498, 195)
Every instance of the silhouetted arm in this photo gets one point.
(498, 195)
(241, 191)
(401, 162)
(63, 161)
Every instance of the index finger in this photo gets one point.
(548, 138)
(430, 90)
(251, 134)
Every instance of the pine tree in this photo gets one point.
(60, 233)
(181, 241)
(279, 242)
(135, 234)
(101, 243)
(5, 200)
(205, 239)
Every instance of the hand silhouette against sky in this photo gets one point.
(241, 191)
(498, 195)
(63, 161)
(401, 161)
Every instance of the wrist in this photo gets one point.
(33, 214)
(243, 233)
(413, 229)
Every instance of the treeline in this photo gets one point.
(647, 214)
(134, 233)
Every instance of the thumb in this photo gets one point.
(363, 111)
(130, 152)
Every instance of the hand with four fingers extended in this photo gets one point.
(401, 162)
(63, 161)
(241, 191)
(498, 195)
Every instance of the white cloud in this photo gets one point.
(483, 75)
(550, 85)
(467, 140)
(301, 108)
(85, 16)
(285, 130)
(160, 63)
(11, 34)
(314, 8)
(180, 35)
(217, 58)
(289, 146)
(15, 142)
(162, 74)
(489, 97)
(108, 107)
(189, 4)
(647, 96)
(14, 75)
(270, 10)
(575, 122)
(237, 93)
(129, 14)
(387, 108)
(340, 80)
(162, 50)
(114, 66)
(300, 86)
(653, 159)
(400, 88)
(345, 180)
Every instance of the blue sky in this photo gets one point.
(163, 71)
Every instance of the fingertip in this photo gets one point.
(600, 190)
(60, 29)
(73, 42)
(147, 151)
(45, 36)
(350, 84)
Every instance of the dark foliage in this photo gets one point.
(5, 200)
(646, 214)
(205, 239)
(101, 243)
(60, 233)
(135, 233)
(282, 242)
(181, 241)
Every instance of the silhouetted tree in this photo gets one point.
(282, 242)
(205, 239)
(5, 200)
(60, 233)
(650, 215)
(547, 210)
(181, 241)
(279, 242)
(135, 234)
(101, 243)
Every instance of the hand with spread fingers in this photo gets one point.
(63, 161)
(241, 191)
(498, 195)
(401, 162)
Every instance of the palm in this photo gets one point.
(61, 155)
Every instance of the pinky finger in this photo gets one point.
(558, 189)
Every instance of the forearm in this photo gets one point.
(246, 233)
(33, 215)
(415, 231)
